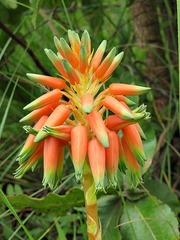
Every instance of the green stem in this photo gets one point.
(93, 222)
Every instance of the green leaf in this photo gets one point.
(61, 234)
(109, 212)
(56, 204)
(149, 145)
(10, 3)
(148, 219)
(35, 6)
(163, 193)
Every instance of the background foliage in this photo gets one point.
(28, 211)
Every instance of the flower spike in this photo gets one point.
(97, 125)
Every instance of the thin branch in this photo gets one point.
(23, 45)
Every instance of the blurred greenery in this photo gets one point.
(26, 29)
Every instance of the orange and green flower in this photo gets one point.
(78, 113)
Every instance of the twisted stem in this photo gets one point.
(93, 222)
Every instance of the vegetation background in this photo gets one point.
(147, 32)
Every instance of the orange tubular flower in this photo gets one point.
(112, 157)
(79, 141)
(98, 127)
(53, 161)
(44, 100)
(117, 107)
(47, 80)
(115, 123)
(96, 60)
(57, 117)
(132, 164)
(96, 154)
(133, 139)
(30, 145)
(122, 158)
(82, 122)
(32, 162)
(36, 114)
(126, 89)
(87, 102)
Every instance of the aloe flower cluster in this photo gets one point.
(94, 123)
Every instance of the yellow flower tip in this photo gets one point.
(87, 102)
